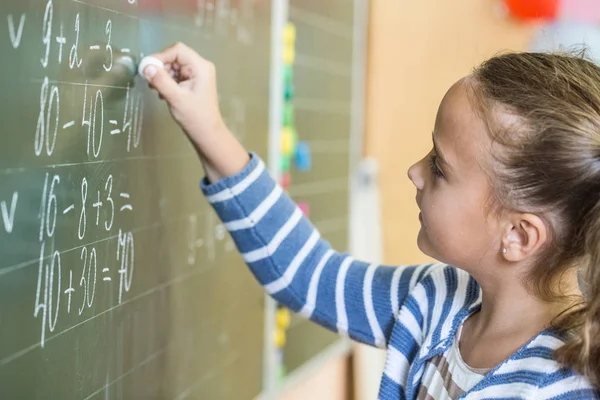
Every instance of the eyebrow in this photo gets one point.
(440, 155)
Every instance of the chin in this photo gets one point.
(423, 244)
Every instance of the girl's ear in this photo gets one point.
(523, 236)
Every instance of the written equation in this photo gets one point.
(89, 117)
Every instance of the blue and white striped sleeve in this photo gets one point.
(298, 268)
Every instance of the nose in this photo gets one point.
(415, 174)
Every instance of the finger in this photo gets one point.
(163, 83)
(186, 73)
(180, 54)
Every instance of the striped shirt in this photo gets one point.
(447, 376)
(411, 311)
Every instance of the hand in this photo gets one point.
(188, 85)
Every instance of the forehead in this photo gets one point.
(459, 131)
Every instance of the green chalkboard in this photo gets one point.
(324, 81)
(116, 280)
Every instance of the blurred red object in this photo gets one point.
(533, 9)
(305, 208)
(285, 180)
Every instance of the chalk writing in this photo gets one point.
(15, 36)
(47, 127)
(8, 217)
(47, 32)
(125, 254)
(74, 60)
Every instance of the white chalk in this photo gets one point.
(149, 60)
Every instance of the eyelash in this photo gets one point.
(437, 173)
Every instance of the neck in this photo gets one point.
(508, 308)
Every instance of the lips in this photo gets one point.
(418, 201)
(422, 221)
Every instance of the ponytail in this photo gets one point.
(582, 326)
(547, 160)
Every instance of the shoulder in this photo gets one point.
(535, 364)
(559, 382)
(565, 383)
(532, 373)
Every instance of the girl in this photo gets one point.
(510, 205)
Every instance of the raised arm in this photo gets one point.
(298, 268)
(282, 248)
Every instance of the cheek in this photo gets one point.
(440, 226)
(454, 229)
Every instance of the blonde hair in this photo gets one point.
(543, 114)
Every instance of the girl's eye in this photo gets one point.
(435, 170)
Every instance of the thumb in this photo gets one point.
(163, 82)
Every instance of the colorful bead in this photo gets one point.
(303, 157)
